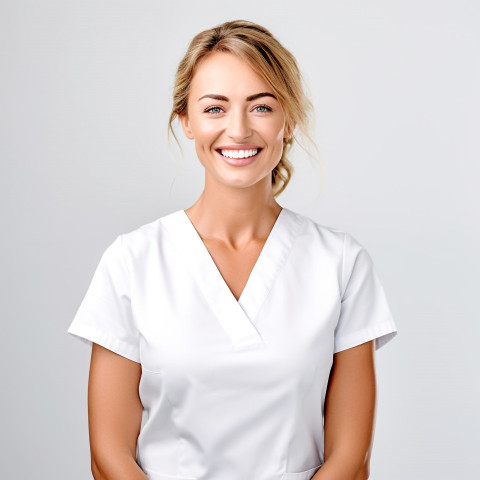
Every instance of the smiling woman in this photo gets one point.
(241, 45)
(244, 331)
(242, 124)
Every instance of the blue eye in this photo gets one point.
(263, 108)
(214, 110)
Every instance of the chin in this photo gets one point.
(242, 180)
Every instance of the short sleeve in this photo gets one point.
(365, 314)
(105, 313)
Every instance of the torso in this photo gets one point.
(221, 378)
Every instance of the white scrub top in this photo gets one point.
(233, 390)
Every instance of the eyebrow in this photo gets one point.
(222, 98)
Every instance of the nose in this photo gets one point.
(238, 125)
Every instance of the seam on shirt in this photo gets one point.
(91, 334)
(129, 274)
(366, 334)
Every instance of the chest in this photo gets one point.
(185, 311)
(193, 342)
(195, 313)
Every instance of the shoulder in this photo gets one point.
(312, 229)
(147, 236)
(330, 242)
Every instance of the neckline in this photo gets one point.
(240, 318)
(258, 263)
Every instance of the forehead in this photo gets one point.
(227, 74)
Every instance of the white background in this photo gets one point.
(85, 94)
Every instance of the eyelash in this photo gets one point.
(208, 110)
(268, 109)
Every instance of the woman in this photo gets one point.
(244, 331)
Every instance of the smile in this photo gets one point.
(239, 153)
(239, 157)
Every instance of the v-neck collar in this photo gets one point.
(236, 317)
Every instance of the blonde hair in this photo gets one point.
(271, 60)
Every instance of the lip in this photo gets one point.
(239, 162)
(239, 147)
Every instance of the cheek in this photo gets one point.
(204, 130)
(276, 131)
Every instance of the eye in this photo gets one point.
(213, 110)
(262, 108)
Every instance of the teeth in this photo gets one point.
(239, 153)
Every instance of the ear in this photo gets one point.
(289, 128)
(187, 129)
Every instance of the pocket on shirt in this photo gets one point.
(163, 476)
(305, 475)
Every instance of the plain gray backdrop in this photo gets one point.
(85, 94)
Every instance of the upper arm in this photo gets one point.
(350, 407)
(114, 406)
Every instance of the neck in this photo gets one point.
(235, 215)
